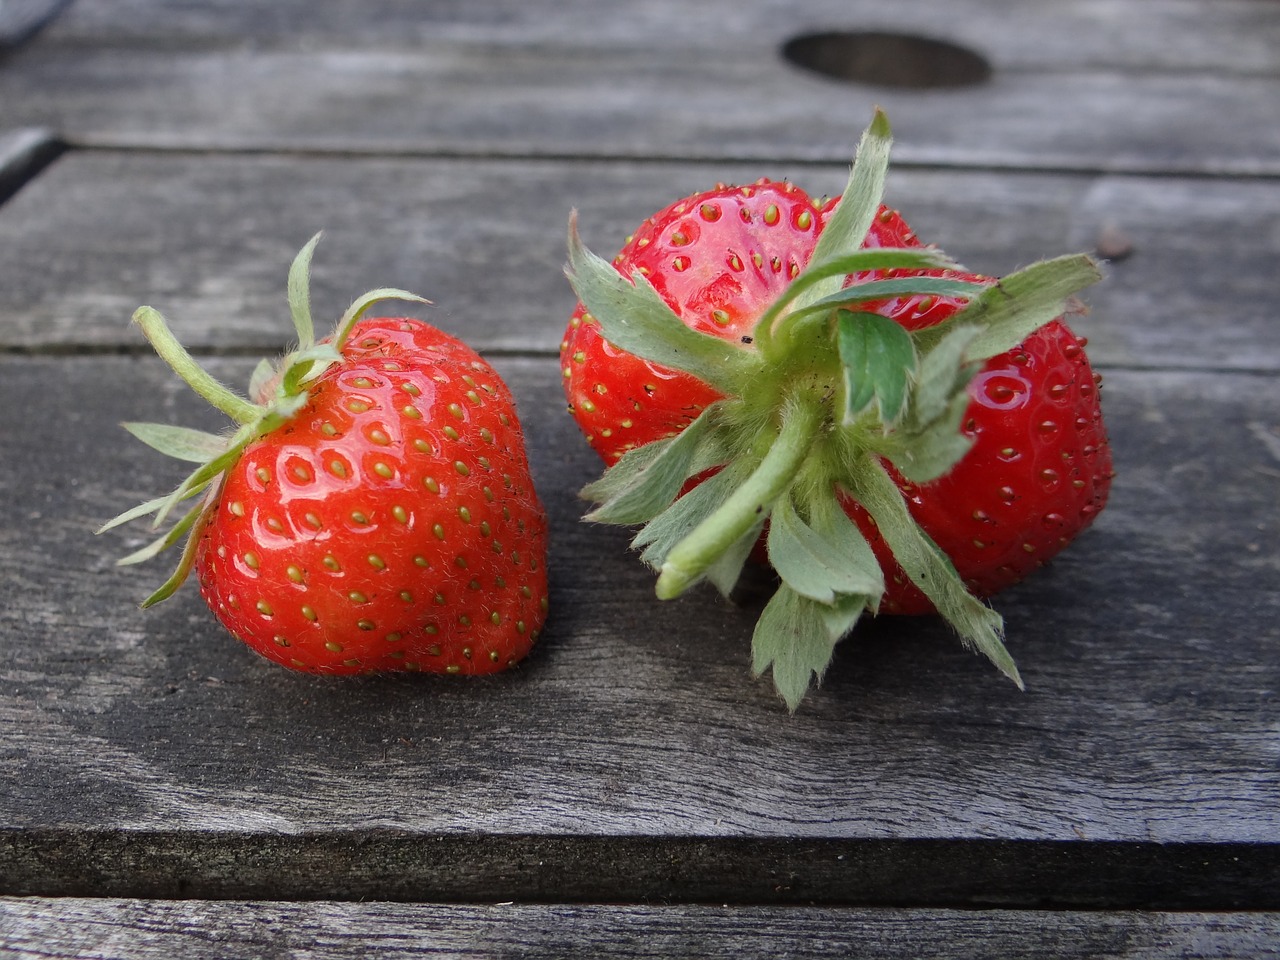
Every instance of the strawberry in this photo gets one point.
(374, 509)
(717, 259)
(772, 375)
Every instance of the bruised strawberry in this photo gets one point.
(375, 509)
(952, 417)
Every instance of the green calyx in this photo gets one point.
(825, 396)
(277, 391)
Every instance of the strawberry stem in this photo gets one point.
(747, 506)
(184, 365)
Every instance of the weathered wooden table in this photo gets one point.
(629, 790)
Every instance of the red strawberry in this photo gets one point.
(717, 259)
(1037, 474)
(375, 509)
(868, 378)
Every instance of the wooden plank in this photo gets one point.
(631, 756)
(1225, 36)
(20, 20)
(1156, 85)
(23, 154)
(207, 239)
(190, 930)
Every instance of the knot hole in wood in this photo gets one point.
(887, 59)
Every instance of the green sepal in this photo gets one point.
(303, 367)
(263, 374)
(670, 527)
(623, 473)
(185, 562)
(134, 513)
(299, 293)
(821, 564)
(181, 443)
(859, 201)
(866, 290)
(1014, 307)
(264, 411)
(156, 329)
(946, 369)
(790, 305)
(749, 503)
(634, 318)
(929, 568)
(170, 537)
(202, 476)
(794, 637)
(361, 304)
(930, 452)
(641, 488)
(929, 442)
(878, 361)
(843, 615)
(725, 572)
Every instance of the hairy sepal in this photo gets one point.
(878, 362)
(181, 443)
(931, 570)
(928, 441)
(1016, 306)
(635, 318)
(825, 561)
(645, 481)
(686, 514)
(796, 637)
(859, 202)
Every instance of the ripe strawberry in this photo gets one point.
(717, 259)
(952, 417)
(373, 512)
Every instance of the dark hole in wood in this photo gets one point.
(888, 59)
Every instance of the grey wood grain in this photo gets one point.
(23, 154)
(147, 754)
(190, 930)
(20, 20)
(207, 240)
(1143, 86)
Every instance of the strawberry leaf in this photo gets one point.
(877, 359)
(634, 318)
